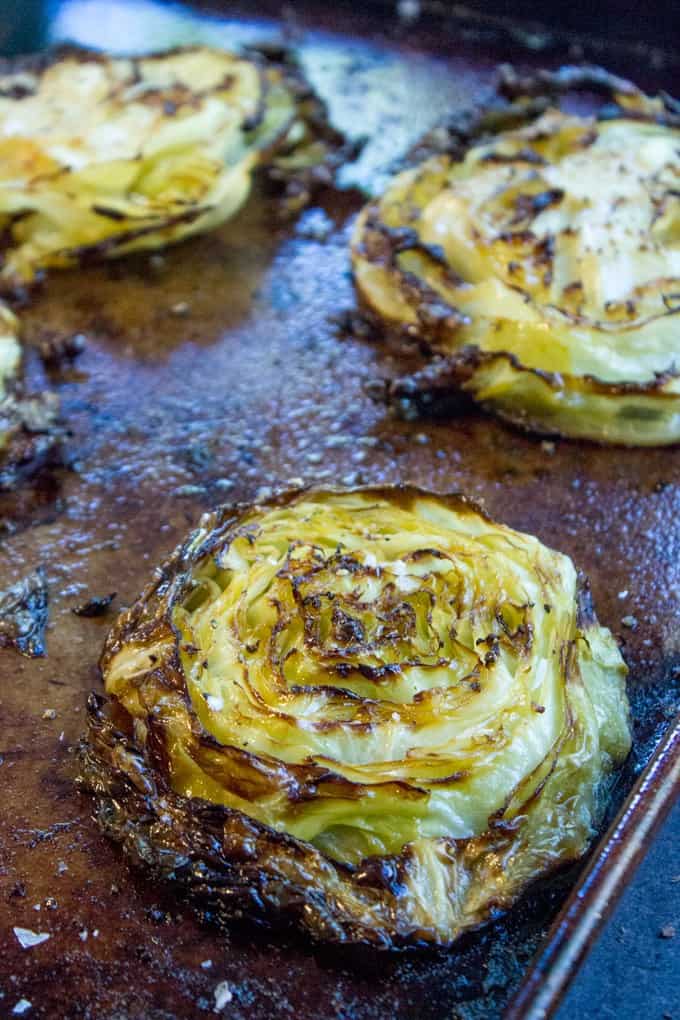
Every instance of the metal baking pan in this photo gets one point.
(256, 385)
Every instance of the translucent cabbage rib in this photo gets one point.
(375, 711)
(102, 156)
(539, 267)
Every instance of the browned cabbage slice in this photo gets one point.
(100, 156)
(376, 712)
(538, 264)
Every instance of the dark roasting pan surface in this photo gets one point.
(224, 367)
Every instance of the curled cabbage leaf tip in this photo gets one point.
(537, 264)
(374, 712)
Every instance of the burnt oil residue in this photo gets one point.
(218, 370)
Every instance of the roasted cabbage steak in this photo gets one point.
(375, 712)
(100, 156)
(536, 263)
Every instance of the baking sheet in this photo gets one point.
(253, 385)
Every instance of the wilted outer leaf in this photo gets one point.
(376, 711)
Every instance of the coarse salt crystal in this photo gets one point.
(223, 995)
(27, 938)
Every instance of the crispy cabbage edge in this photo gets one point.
(156, 766)
(102, 156)
(571, 363)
